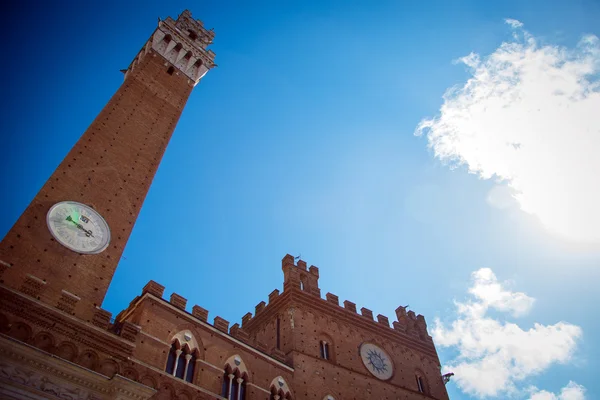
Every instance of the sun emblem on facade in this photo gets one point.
(377, 361)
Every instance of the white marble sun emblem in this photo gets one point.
(377, 361)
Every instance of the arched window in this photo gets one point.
(189, 376)
(181, 362)
(421, 383)
(234, 385)
(171, 359)
(279, 390)
(235, 377)
(324, 347)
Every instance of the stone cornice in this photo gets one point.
(55, 320)
(40, 372)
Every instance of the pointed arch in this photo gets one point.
(235, 376)
(280, 388)
(326, 346)
(421, 382)
(184, 352)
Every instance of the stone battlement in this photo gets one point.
(157, 290)
(407, 321)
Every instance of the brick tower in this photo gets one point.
(110, 170)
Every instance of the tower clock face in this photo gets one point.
(78, 227)
(377, 361)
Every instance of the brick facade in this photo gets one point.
(295, 346)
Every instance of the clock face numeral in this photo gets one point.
(78, 227)
(377, 361)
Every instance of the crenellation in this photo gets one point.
(154, 288)
(259, 307)
(314, 270)
(382, 319)
(301, 264)
(234, 329)
(400, 312)
(273, 295)
(239, 333)
(350, 306)
(221, 324)
(246, 319)
(288, 259)
(399, 327)
(332, 298)
(365, 312)
(200, 313)
(178, 301)
(421, 326)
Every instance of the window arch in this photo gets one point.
(181, 361)
(279, 390)
(326, 347)
(235, 376)
(234, 384)
(422, 386)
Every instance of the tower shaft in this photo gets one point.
(110, 169)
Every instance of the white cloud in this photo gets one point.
(514, 23)
(572, 391)
(495, 355)
(528, 117)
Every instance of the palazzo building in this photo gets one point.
(57, 261)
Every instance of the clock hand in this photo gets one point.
(88, 233)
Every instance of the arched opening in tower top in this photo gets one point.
(170, 70)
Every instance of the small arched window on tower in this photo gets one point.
(421, 384)
(302, 282)
(170, 70)
(324, 347)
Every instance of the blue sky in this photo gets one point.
(302, 141)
